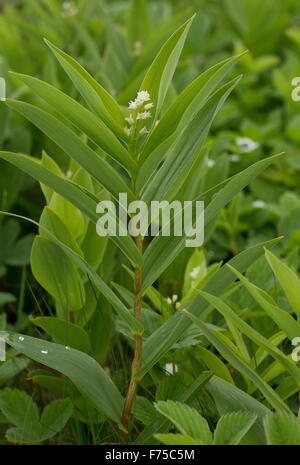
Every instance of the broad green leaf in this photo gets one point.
(57, 274)
(72, 144)
(282, 429)
(54, 224)
(68, 214)
(160, 342)
(19, 408)
(98, 99)
(83, 119)
(186, 419)
(288, 280)
(55, 416)
(88, 376)
(71, 192)
(63, 332)
(160, 73)
(274, 400)
(231, 428)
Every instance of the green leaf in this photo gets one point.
(123, 312)
(288, 280)
(214, 364)
(231, 428)
(55, 416)
(229, 398)
(98, 99)
(88, 376)
(162, 340)
(182, 154)
(186, 419)
(64, 332)
(11, 368)
(19, 408)
(163, 250)
(83, 119)
(57, 274)
(187, 104)
(160, 73)
(282, 429)
(274, 400)
(73, 193)
(72, 144)
(283, 320)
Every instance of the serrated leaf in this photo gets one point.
(231, 428)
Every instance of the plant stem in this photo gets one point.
(138, 346)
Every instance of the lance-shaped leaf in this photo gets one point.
(88, 376)
(288, 280)
(250, 332)
(188, 104)
(82, 118)
(70, 143)
(98, 99)
(163, 250)
(163, 339)
(160, 73)
(182, 154)
(282, 318)
(117, 304)
(274, 400)
(72, 192)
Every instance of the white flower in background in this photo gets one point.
(210, 162)
(130, 119)
(127, 131)
(137, 48)
(169, 300)
(171, 368)
(172, 300)
(259, 204)
(234, 157)
(246, 144)
(194, 272)
(69, 8)
(144, 115)
(143, 131)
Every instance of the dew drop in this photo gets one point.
(67, 347)
(44, 352)
(21, 338)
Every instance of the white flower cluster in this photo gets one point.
(246, 144)
(141, 106)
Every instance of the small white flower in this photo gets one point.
(174, 298)
(177, 305)
(246, 144)
(234, 157)
(171, 368)
(144, 115)
(133, 105)
(194, 272)
(259, 204)
(143, 131)
(210, 162)
(169, 300)
(143, 96)
(149, 105)
(130, 119)
(127, 131)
